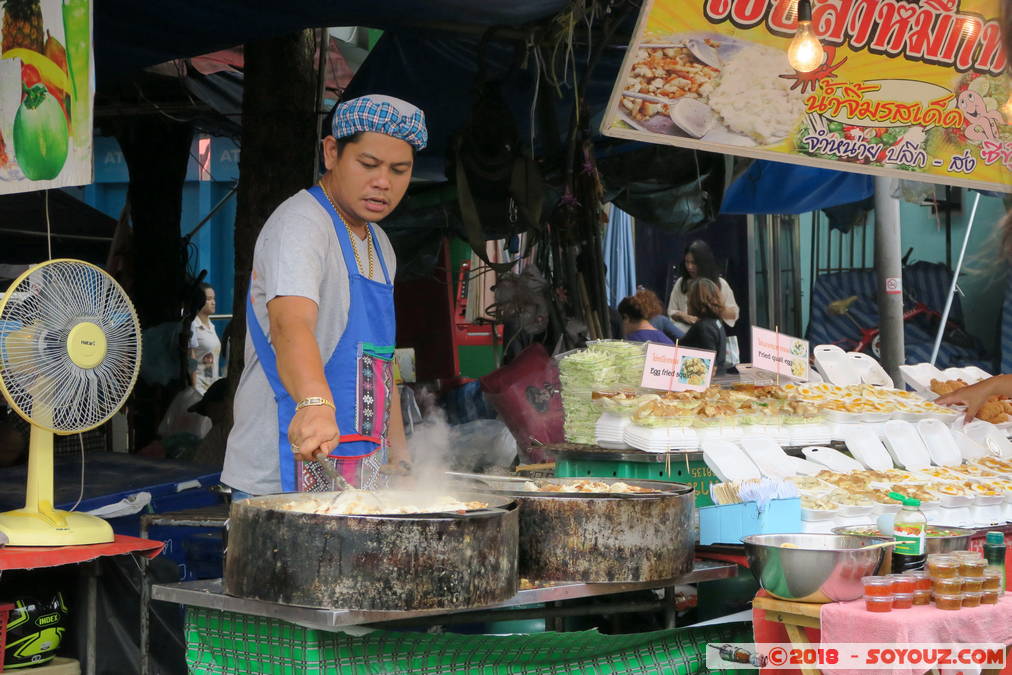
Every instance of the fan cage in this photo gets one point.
(37, 376)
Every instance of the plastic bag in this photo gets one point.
(482, 444)
(526, 395)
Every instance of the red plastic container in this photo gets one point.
(903, 600)
(903, 584)
(878, 603)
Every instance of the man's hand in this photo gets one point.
(312, 430)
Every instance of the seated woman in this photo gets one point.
(655, 314)
(708, 331)
(635, 326)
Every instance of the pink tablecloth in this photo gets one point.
(851, 622)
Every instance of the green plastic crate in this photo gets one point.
(697, 473)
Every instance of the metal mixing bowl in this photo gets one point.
(823, 568)
(955, 542)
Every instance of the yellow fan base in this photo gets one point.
(38, 523)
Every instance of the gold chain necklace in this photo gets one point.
(352, 235)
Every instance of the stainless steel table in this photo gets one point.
(209, 594)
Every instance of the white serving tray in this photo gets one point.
(905, 445)
(832, 459)
(729, 462)
(941, 445)
(863, 442)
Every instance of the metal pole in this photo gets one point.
(955, 280)
(750, 238)
(889, 272)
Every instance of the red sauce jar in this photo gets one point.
(880, 586)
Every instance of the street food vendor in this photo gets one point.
(318, 378)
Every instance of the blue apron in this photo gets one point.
(359, 372)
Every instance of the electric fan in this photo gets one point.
(69, 356)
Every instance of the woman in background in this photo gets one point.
(699, 263)
(205, 347)
(707, 332)
(635, 326)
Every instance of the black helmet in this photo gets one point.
(34, 632)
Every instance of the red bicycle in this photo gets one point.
(870, 337)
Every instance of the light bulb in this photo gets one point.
(805, 52)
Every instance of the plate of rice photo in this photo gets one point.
(710, 87)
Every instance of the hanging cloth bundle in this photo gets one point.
(499, 188)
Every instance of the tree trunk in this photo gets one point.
(156, 150)
(279, 134)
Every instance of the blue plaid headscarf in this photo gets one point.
(384, 115)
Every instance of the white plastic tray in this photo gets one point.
(942, 447)
(863, 442)
(905, 445)
(832, 363)
(832, 459)
(728, 461)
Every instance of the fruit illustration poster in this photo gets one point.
(915, 90)
(47, 84)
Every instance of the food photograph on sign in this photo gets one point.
(693, 370)
(915, 90)
(46, 91)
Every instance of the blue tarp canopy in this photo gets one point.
(776, 187)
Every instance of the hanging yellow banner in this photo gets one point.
(915, 90)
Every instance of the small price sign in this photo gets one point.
(775, 352)
(677, 368)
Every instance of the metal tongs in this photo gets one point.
(339, 483)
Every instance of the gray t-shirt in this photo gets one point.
(297, 253)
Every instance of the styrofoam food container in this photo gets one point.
(831, 362)
(856, 510)
(831, 459)
(941, 445)
(866, 448)
(991, 437)
(871, 372)
(918, 377)
(816, 515)
(728, 461)
(905, 445)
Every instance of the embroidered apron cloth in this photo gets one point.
(359, 372)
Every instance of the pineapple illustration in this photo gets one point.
(22, 26)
